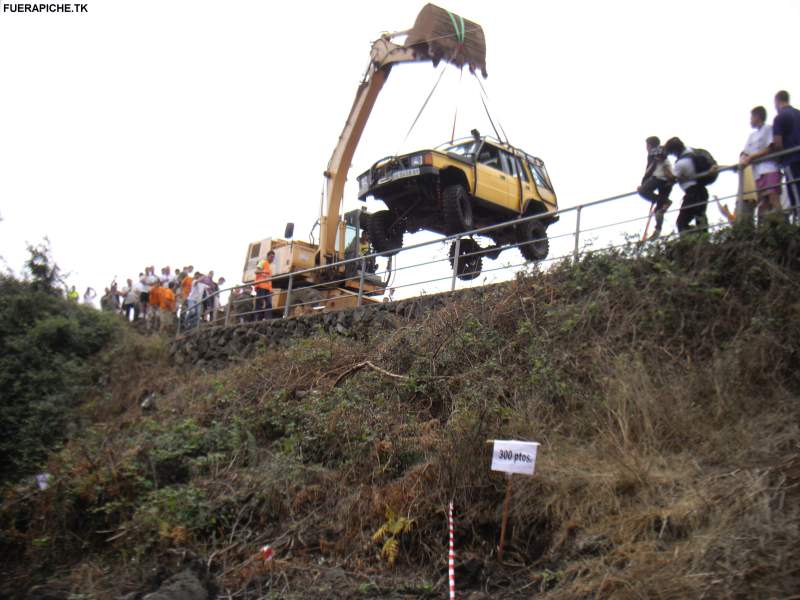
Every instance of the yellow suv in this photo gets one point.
(458, 187)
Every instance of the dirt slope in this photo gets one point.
(663, 387)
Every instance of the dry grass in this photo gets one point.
(663, 388)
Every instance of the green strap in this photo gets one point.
(459, 33)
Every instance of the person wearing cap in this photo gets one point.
(263, 285)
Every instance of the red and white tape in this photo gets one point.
(267, 553)
(451, 557)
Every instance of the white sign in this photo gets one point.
(513, 456)
(43, 480)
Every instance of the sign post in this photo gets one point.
(509, 457)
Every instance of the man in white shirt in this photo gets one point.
(695, 199)
(195, 299)
(766, 173)
(130, 301)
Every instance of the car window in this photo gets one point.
(466, 149)
(508, 164)
(521, 170)
(538, 176)
(546, 175)
(490, 156)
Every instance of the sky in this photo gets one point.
(175, 132)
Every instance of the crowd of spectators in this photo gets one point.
(158, 299)
(695, 169)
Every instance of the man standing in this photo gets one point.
(146, 281)
(695, 199)
(785, 135)
(88, 296)
(154, 298)
(187, 280)
(130, 302)
(194, 301)
(765, 172)
(167, 307)
(263, 285)
(656, 184)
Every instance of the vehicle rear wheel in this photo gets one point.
(457, 209)
(532, 235)
(470, 261)
(384, 232)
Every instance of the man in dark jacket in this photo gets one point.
(785, 135)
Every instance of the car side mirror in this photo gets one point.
(289, 231)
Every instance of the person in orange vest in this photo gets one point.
(166, 300)
(263, 285)
(186, 284)
(154, 300)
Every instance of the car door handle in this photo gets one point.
(502, 176)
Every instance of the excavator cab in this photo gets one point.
(354, 228)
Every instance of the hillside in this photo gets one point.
(662, 383)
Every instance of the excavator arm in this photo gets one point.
(437, 35)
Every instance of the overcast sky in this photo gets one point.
(171, 132)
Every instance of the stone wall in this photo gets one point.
(215, 345)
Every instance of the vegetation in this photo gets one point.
(47, 348)
(662, 383)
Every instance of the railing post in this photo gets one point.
(576, 252)
(288, 298)
(455, 264)
(361, 280)
(228, 310)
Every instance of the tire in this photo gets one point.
(457, 209)
(385, 235)
(469, 267)
(533, 237)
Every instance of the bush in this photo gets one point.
(46, 344)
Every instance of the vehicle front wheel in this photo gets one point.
(457, 209)
(470, 259)
(532, 237)
(384, 232)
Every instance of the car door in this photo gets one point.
(514, 171)
(528, 189)
(492, 182)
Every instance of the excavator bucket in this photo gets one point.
(439, 34)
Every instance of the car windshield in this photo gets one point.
(459, 149)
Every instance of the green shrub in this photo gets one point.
(46, 344)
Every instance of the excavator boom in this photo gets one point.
(437, 35)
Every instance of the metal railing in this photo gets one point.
(209, 311)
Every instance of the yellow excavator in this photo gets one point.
(437, 35)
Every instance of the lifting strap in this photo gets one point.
(455, 115)
(459, 33)
(484, 98)
(424, 104)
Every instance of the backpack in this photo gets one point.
(703, 161)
